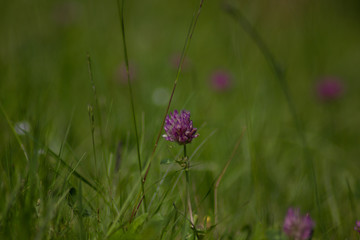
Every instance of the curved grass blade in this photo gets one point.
(279, 73)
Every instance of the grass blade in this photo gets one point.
(222, 174)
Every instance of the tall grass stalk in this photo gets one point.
(91, 76)
(92, 128)
(97, 110)
(121, 15)
(279, 73)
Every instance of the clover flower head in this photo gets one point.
(297, 226)
(179, 128)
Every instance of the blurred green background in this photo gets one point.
(44, 81)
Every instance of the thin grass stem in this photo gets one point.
(92, 127)
(97, 106)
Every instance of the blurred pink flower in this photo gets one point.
(121, 75)
(221, 80)
(297, 226)
(357, 226)
(175, 61)
(329, 88)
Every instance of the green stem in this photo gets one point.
(185, 212)
(188, 191)
(187, 175)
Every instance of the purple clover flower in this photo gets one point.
(296, 226)
(357, 226)
(329, 88)
(220, 80)
(179, 128)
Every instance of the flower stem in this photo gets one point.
(187, 174)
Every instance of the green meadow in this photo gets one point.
(272, 88)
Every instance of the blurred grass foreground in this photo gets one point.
(95, 144)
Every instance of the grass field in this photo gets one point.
(272, 87)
